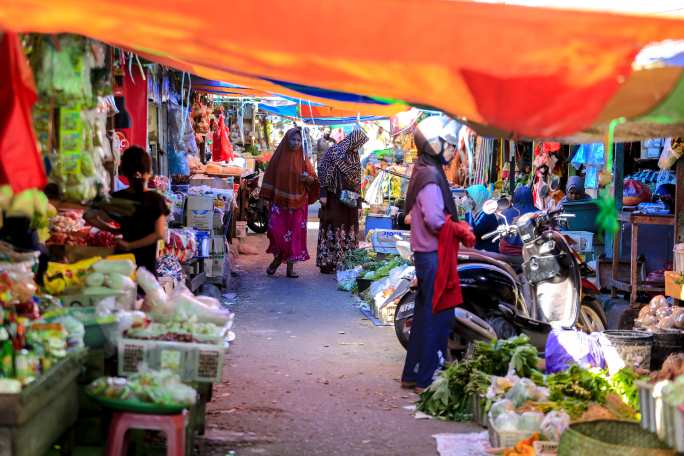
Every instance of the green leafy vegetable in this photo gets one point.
(448, 396)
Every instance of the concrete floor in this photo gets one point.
(309, 375)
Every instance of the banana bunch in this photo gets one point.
(32, 204)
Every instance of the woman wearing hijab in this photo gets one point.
(574, 190)
(482, 223)
(289, 185)
(522, 204)
(339, 171)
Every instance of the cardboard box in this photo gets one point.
(672, 287)
(200, 212)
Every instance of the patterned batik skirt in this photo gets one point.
(287, 233)
(338, 233)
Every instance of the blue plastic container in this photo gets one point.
(585, 215)
(378, 222)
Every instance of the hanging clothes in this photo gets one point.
(21, 165)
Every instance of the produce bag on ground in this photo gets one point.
(346, 279)
(567, 347)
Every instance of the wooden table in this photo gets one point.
(635, 219)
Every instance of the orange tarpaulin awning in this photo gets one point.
(532, 71)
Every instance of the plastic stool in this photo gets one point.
(172, 425)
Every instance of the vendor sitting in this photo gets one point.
(481, 222)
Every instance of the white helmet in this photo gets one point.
(433, 130)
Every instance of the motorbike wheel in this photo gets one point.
(401, 327)
(592, 318)
(259, 221)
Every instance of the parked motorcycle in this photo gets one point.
(506, 295)
(256, 210)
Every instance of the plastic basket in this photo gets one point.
(675, 432)
(504, 439)
(678, 257)
(191, 361)
(610, 438)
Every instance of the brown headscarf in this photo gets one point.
(282, 181)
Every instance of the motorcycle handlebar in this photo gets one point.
(490, 235)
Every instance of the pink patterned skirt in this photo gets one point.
(287, 233)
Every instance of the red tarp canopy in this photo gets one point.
(531, 71)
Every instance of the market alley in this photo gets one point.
(310, 375)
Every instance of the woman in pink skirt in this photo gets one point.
(289, 185)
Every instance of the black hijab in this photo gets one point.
(428, 170)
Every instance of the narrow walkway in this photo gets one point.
(309, 375)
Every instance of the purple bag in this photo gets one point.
(567, 347)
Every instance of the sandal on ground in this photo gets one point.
(408, 385)
(273, 267)
(290, 271)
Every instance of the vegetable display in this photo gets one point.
(447, 397)
(157, 387)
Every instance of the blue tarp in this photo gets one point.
(292, 111)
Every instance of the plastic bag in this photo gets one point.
(501, 406)
(507, 422)
(672, 151)
(567, 347)
(347, 279)
(525, 390)
(182, 300)
(554, 424)
(530, 421)
(222, 149)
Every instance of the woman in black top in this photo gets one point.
(147, 224)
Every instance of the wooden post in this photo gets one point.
(633, 269)
(618, 186)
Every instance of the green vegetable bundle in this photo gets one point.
(447, 397)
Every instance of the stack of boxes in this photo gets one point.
(205, 214)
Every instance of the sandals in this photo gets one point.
(273, 267)
(290, 271)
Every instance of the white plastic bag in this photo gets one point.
(182, 300)
(554, 424)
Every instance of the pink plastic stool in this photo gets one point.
(172, 425)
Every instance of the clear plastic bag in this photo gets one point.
(554, 424)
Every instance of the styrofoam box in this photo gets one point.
(584, 240)
(191, 361)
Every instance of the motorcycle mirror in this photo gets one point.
(490, 206)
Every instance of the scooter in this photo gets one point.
(504, 296)
(256, 211)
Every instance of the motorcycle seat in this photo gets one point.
(514, 260)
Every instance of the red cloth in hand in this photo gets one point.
(447, 292)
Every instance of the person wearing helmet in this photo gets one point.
(428, 202)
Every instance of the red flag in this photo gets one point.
(21, 164)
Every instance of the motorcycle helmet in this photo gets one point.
(665, 194)
(432, 133)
